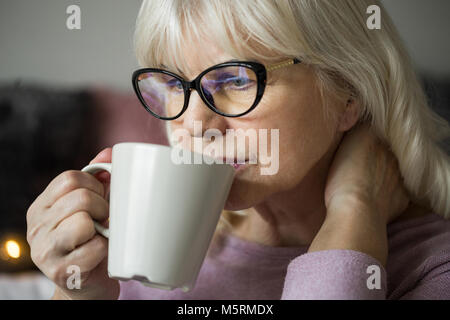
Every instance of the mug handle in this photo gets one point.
(93, 169)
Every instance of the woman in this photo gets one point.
(360, 171)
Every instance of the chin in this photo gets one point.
(245, 194)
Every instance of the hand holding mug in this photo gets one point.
(61, 233)
(162, 219)
(162, 214)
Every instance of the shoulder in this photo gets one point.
(419, 250)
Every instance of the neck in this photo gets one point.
(290, 218)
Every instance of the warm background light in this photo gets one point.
(12, 249)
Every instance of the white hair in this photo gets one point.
(332, 37)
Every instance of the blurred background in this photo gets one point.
(66, 94)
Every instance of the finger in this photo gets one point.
(76, 201)
(73, 232)
(86, 257)
(105, 156)
(89, 255)
(69, 181)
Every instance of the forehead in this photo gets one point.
(195, 53)
(198, 55)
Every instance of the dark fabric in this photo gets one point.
(42, 133)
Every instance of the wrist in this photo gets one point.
(59, 295)
(356, 206)
(353, 225)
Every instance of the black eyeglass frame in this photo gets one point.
(259, 69)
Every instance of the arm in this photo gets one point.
(345, 260)
(364, 192)
(342, 274)
(335, 274)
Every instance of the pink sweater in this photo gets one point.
(418, 268)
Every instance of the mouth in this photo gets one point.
(236, 166)
(233, 162)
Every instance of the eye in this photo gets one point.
(175, 84)
(233, 81)
(240, 82)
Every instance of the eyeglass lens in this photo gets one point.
(231, 90)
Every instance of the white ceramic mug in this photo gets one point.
(162, 215)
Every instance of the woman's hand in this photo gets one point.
(364, 192)
(365, 170)
(61, 233)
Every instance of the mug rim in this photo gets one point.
(146, 145)
(142, 144)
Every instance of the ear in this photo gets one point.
(349, 116)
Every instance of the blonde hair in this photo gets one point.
(333, 38)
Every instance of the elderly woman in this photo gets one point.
(360, 170)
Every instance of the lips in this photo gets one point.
(230, 160)
(237, 165)
(233, 162)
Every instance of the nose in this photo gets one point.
(198, 112)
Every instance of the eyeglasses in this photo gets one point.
(231, 89)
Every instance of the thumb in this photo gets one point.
(104, 156)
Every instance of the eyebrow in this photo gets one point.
(163, 66)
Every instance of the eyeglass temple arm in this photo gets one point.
(283, 64)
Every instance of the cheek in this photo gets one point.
(305, 136)
(302, 145)
(299, 151)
